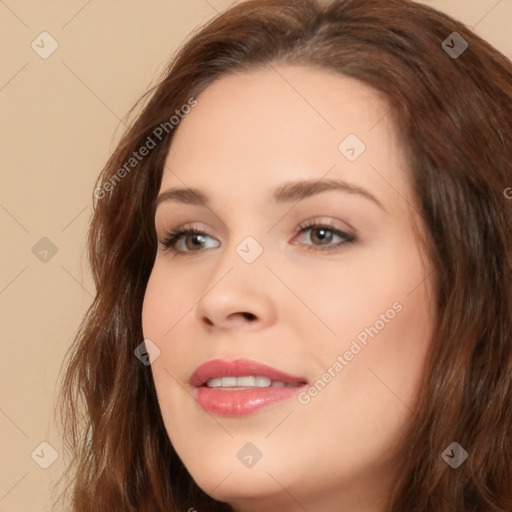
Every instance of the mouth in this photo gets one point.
(242, 386)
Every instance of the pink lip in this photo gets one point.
(237, 402)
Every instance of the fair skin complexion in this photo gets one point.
(250, 134)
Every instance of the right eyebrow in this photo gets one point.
(191, 196)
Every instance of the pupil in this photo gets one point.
(323, 235)
(197, 240)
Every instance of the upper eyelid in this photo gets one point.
(308, 224)
(311, 222)
(317, 222)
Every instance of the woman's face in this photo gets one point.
(307, 261)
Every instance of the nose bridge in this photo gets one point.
(244, 245)
(242, 264)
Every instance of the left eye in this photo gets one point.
(323, 237)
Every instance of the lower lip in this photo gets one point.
(239, 402)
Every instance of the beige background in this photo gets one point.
(60, 118)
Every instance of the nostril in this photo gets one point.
(248, 316)
(206, 320)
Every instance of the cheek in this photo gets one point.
(355, 295)
(381, 310)
(373, 390)
(169, 297)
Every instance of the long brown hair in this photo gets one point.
(454, 116)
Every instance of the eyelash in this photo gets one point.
(173, 236)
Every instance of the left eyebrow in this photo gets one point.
(298, 190)
(288, 192)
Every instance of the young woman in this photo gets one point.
(302, 250)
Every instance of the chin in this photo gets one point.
(241, 484)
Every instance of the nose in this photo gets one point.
(238, 296)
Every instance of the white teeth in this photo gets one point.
(248, 381)
(229, 382)
(263, 382)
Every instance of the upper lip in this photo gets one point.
(218, 368)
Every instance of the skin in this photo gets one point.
(249, 134)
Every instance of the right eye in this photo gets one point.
(183, 240)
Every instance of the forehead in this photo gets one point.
(257, 129)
